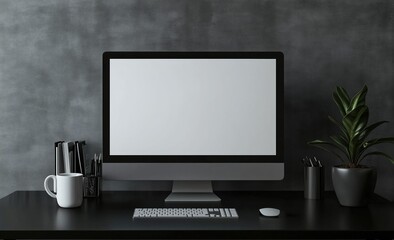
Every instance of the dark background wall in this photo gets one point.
(50, 70)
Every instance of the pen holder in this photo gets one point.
(91, 186)
(313, 182)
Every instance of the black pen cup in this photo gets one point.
(313, 182)
(91, 186)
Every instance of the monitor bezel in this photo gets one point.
(278, 56)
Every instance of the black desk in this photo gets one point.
(33, 214)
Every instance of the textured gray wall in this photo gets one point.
(50, 69)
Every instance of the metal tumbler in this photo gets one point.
(313, 182)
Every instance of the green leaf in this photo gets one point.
(378, 141)
(359, 98)
(339, 103)
(351, 117)
(343, 93)
(320, 144)
(340, 144)
(344, 97)
(378, 154)
(361, 119)
(365, 132)
(343, 130)
(373, 142)
(344, 140)
(354, 148)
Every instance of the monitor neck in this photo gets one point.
(192, 191)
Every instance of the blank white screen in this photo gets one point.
(192, 107)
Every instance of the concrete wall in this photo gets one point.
(50, 70)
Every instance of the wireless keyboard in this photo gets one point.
(217, 213)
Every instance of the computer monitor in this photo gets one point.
(193, 117)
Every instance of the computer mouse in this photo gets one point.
(269, 212)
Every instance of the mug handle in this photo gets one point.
(50, 193)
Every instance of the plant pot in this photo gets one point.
(353, 186)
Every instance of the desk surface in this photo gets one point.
(33, 214)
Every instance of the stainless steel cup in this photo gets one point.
(313, 182)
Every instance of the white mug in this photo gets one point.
(69, 191)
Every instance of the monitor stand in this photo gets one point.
(192, 191)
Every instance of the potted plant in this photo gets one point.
(353, 182)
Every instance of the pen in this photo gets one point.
(315, 163)
(99, 165)
(92, 167)
(318, 162)
(310, 160)
(95, 166)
